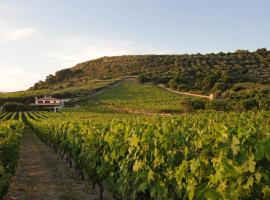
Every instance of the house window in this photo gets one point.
(40, 101)
(47, 102)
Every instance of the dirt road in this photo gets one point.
(42, 175)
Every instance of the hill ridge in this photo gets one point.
(195, 71)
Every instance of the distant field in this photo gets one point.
(133, 96)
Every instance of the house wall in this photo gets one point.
(47, 101)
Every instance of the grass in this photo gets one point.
(133, 96)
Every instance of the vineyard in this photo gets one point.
(134, 100)
(132, 97)
(11, 129)
(212, 155)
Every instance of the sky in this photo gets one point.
(39, 37)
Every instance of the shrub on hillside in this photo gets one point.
(142, 78)
(208, 82)
(220, 86)
(249, 104)
(14, 106)
(220, 105)
(264, 103)
(173, 84)
(189, 105)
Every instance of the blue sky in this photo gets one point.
(38, 37)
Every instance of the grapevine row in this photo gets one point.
(10, 136)
(202, 156)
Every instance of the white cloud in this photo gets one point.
(16, 34)
(4, 8)
(29, 50)
(32, 60)
(71, 50)
(28, 61)
(15, 79)
(29, 54)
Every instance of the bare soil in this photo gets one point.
(42, 175)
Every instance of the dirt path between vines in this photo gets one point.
(42, 175)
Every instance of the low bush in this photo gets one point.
(192, 104)
(14, 106)
(220, 105)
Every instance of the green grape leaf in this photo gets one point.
(142, 187)
(267, 149)
(251, 163)
(137, 166)
(249, 183)
(212, 195)
(258, 176)
(266, 192)
(191, 189)
(150, 175)
(235, 145)
(259, 151)
(134, 141)
(242, 157)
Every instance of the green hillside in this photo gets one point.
(134, 97)
(56, 91)
(209, 72)
(240, 76)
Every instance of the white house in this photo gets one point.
(49, 102)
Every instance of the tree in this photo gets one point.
(208, 82)
(173, 84)
(63, 74)
(189, 104)
(50, 79)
